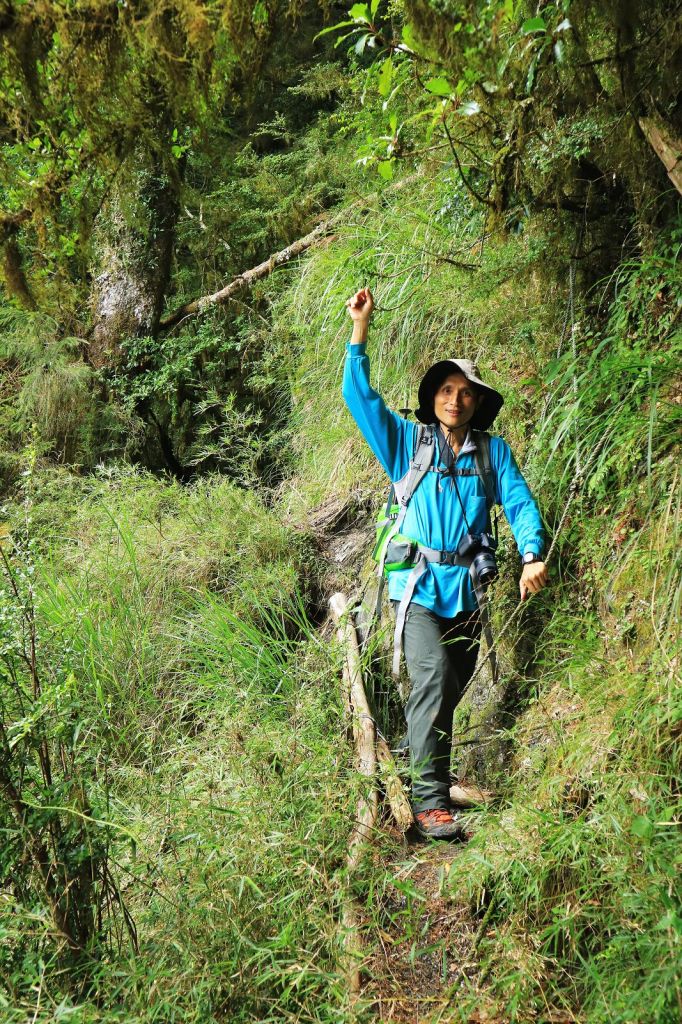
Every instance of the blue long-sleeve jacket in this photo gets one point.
(434, 515)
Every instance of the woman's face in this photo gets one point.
(455, 401)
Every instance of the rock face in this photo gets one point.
(134, 245)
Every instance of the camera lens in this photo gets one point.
(485, 567)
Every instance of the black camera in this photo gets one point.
(482, 547)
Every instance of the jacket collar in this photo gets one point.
(469, 446)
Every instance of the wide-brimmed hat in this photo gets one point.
(488, 409)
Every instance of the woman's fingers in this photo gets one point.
(362, 301)
(533, 579)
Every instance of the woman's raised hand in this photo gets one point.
(361, 306)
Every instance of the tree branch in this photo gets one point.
(469, 187)
(246, 279)
(666, 148)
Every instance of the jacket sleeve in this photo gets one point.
(516, 500)
(389, 436)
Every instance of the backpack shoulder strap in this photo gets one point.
(419, 465)
(484, 466)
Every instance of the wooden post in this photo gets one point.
(370, 748)
(368, 804)
(357, 699)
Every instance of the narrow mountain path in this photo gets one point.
(422, 938)
(419, 943)
(424, 943)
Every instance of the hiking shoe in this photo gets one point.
(438, 824)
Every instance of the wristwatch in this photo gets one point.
(529, 557)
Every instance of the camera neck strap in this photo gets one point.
(482, 469)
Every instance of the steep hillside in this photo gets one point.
(183, 488)
(573, 874)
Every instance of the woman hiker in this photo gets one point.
(441, 628)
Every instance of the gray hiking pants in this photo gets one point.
(441, 656)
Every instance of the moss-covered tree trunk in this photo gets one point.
(134, 247)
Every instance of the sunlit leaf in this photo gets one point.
(503, 64)
(408, 36)
(534, 25)
(439, 86)
(360, 12)
(362, 43)
(385, 168)
(333, 28)
(530, 78)
(386, 77)
(642, 826)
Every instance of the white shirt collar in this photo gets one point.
(469, 446)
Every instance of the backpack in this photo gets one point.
(392, 549)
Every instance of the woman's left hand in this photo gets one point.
(533, 578)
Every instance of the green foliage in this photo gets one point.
(610, 412)
(577, 871)
(201, 797)
(53, 397)
(93, 97)
(222, 699)
(59, 838)
(512, 82)
(580, 872)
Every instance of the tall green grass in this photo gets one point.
(576, 877)
(207, 736)
(579, 875)
(210, 727)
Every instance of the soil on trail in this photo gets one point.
(424, 942)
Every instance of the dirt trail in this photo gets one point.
(420, 943)
(423, 941)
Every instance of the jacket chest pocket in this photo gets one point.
(476, 512)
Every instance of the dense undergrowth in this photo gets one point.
(577, 873)
(173, 629)
(188, 709)
(175, 717)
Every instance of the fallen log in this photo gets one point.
(357, 700)
(246, 279)
(667, 148)
(278, 259)
(467, 794)
(368, 803)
